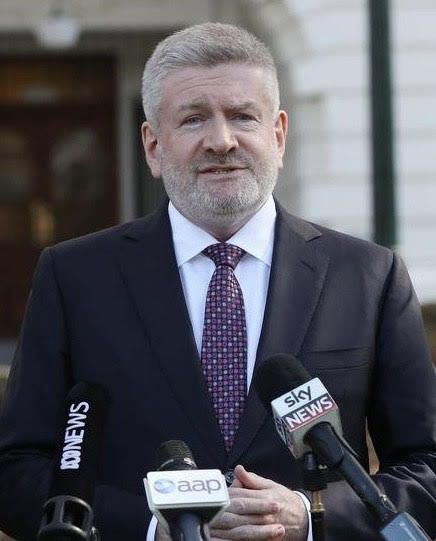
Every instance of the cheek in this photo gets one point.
(263, 141)
(180, 151)
(266, 150)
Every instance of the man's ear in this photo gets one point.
(281, 131)
(150, 144)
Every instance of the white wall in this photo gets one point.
(330, 80)
(331, 114)
(415, 72)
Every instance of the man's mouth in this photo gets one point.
(220, 170)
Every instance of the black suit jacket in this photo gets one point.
(109, 307)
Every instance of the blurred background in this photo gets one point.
(70, 111)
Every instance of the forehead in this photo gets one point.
(222, 85)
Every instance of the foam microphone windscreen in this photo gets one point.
(174, 455)
(78, 457)
(278, 375)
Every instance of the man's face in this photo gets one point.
(219, 144)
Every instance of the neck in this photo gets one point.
(223, 232)
(224, 228)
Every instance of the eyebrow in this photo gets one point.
(203, 104)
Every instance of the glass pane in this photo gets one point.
(15, 167)
(78, 184)
(51, 79)
(14, 224)
(15, 185)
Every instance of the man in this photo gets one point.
(126, 307)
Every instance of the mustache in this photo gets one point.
(235, 160)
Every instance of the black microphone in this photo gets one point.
(183, 498)
(174, 455)
(67, 514)
(307, 418)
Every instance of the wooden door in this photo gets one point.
(57, 181)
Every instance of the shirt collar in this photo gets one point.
(256, 237)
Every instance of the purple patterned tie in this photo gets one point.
(224, 345)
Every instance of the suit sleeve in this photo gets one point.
(30, 423)
(401, 417)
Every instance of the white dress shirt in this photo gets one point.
(256, 238)
(252, 272)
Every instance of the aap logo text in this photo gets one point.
(164, 486)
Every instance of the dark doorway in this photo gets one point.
(57, 164)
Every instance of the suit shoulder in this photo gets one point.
(350, 243)
(105, 239)
(340, 247)
(94, 257)
(364, 256)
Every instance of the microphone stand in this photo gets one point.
(315, 480)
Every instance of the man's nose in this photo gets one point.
(220, 137)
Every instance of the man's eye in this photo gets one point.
(243, 116)
(192, 120)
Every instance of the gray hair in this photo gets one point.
(207, 44)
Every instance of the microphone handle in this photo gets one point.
(404, 528)
(188, 527)
(330, 449)
(364, 486)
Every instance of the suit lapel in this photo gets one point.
(297, 276)
(149, 268)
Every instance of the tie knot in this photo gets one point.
(222, 253)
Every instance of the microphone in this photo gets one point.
(67, 514)
(183, 498)
(307, 418)
(297, 402)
